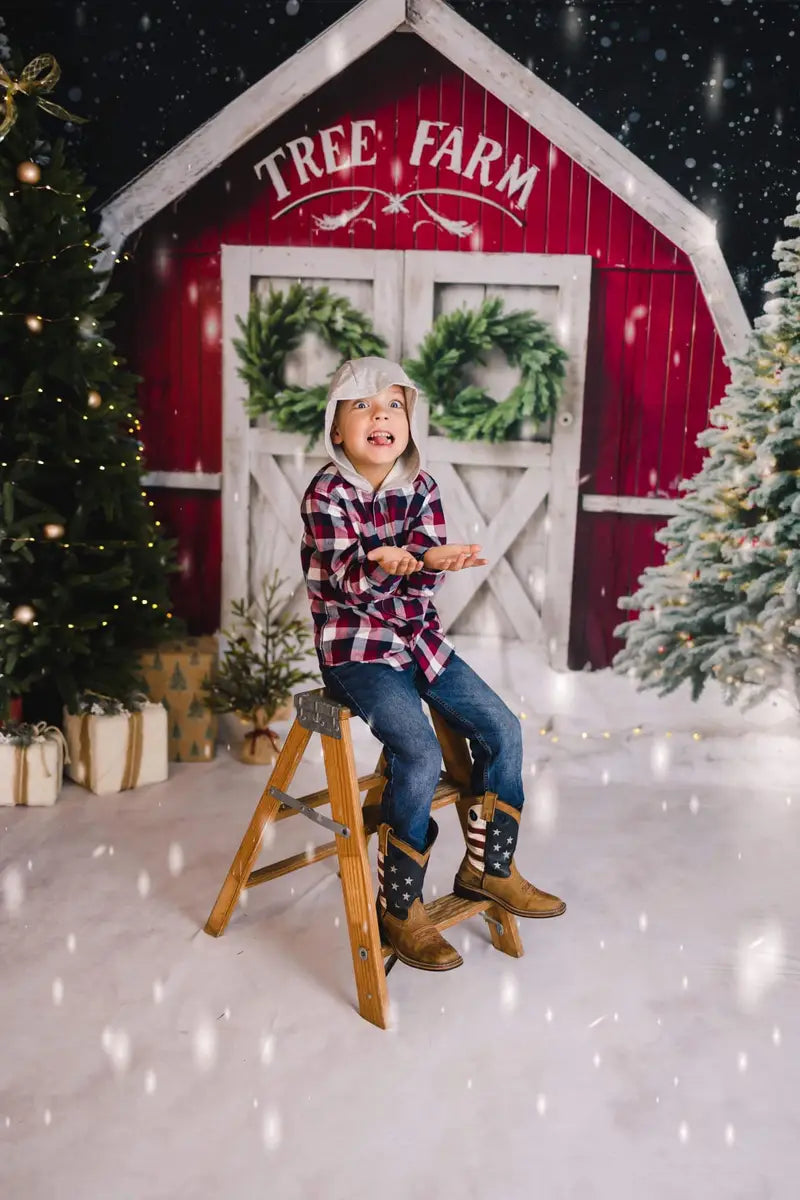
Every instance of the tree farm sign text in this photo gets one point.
(346, 147)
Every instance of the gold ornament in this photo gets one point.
(34, 323)
(24, 614)
(28, 172)
(41, 75)
(54, 531)
(94, 399)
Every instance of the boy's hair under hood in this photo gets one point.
(357, 379)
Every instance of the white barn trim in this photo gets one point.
(467, 48)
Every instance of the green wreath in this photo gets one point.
(465, 411)
(273, 328)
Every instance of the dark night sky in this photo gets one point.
(702, 90)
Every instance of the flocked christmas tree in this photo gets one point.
(724, 605)
(83, 565)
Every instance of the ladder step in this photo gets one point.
(293, 863)
(446, 792)
(450, 909)
(446, 911)
(317, 799)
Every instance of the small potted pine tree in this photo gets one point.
(257, 672)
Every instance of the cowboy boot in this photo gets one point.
(402, 918)
(488, 871)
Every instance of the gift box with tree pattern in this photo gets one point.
(173, 673)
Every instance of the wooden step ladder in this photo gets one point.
(353, 823)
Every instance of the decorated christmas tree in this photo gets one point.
(724, 605)
(83, 565)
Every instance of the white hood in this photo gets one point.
(355, 380)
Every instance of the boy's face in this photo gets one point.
(373, 431)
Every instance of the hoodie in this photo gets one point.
(355, 380)
(360, 612)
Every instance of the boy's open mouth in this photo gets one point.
(380, 439)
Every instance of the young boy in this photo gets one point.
(374, 553)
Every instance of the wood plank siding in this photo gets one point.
(654, 363)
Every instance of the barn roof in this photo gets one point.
(467, 48)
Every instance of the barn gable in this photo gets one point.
(477, 56)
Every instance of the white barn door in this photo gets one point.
(265, 471)
(519, 500)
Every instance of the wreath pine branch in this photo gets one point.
(463, 338)
(274, 327)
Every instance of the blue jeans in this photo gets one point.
(389, 701)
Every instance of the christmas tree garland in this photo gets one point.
(274, 327)
(459, 339)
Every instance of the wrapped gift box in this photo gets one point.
(174, 674)
(32, 775)
(110, 753)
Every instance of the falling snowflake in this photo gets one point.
(760, 962)
(117, 1046)
(271, 1128)
(267, 1049)
(13, 890)
(509, 993)
(175, 858)
(204, 1044)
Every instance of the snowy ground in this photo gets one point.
(646, 1046)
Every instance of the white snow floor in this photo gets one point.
(646, 1047)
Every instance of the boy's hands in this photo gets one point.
(395, 560)
(453, 558)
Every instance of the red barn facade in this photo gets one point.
(398, 134)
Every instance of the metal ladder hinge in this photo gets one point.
(311, 813)
(318, 714)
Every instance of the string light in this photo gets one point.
(52, 539)
(39, 317)
(50, 258)
(40, 462)
(45, 187)
(606, 735)
(24, 614)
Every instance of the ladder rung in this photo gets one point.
(450, 909)
(446, 911)
(446, 792)
(317, 799)
(293, 863)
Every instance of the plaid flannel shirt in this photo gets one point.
(361, 613)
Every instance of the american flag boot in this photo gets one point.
(402, 919)
(488, 871)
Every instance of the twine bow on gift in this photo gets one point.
(40, 75)
(40, 733)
